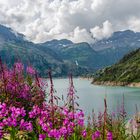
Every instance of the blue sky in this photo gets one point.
(77, 20)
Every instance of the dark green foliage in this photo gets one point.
(126, 70)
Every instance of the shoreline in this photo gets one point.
(113, 83)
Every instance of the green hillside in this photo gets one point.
(126, 70)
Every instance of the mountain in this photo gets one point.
(15, 47)
(81, 53)
(114, 48)
(127, 70)
(63, 56)
(98, 55)
(119, 39)
(57, 44)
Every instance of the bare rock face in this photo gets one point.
(113, 83)
(109, 83)
(134, 84)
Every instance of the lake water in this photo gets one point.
(92, 96)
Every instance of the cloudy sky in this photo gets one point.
(77, 20)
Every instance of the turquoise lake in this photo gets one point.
(92, 96)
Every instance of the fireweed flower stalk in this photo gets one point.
(28, 115)
(71, 97)
(25, 93)
(96, 135)
(30, 70)
(84, 133)
(54, 121)
(109, 135)
(53, 102)
(14, 85)
(13, 121)
(64, 126)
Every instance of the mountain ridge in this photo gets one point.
(64, 55)
(16, 47)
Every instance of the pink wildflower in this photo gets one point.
(30, 70)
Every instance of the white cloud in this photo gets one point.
(78, 20)
(103, 32)
(134, 24)
(81, 35)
